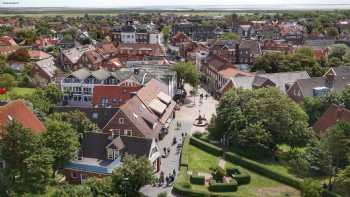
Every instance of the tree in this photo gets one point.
(28, 162)
(332, 32)
(187, 73)
(307, 51)
(310, 188)
(101, 187)
(166, 33)
(132, 175)
(73, 191)
(261, 118)
(77, 119)
(7, 81)
(338, 51)
(20, 55)
(44, 100)
(269, 62)
(342, 182)
(62, 140)
(229, 36)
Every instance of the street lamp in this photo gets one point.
(125, 183)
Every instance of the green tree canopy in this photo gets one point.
(77, 119)
(28, 161)
(62, 140)
(132, 175)
(261, 119)
(229, 36)
(187, 73)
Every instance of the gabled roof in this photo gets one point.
(252, 45)
(141, 117)
(18, 111)
(339, 71)
(48, 66)
(74, 54)
(332, 116)
(94, 144)
(119, 94)
(279, 79)
(307, 85)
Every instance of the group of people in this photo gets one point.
(168, 179)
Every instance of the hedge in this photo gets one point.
(196, 179)
(242, 179)
(327, 193)
(261, 169)
(189, 192)
(223, 187)
(184, 153)
(206, 146)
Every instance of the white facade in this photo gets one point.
(154, 38)
(128, 37)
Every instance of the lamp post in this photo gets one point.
(125, 183)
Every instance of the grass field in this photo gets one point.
(18, 91)
(260, 186)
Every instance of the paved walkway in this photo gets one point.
(186, 116)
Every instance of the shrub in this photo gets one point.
(197, 134)
(232, 171)
(196, 179)
(242, 179)
(261, 169)
(223, 187)
(162, 194)
(185, 153)
(218, 173)
(206, 146)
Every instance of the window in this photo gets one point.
(74, 175)
(2, 164)
(109, 154)
(115, 132)
(121, 120)
(127, 132)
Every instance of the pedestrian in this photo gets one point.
(206, 96)
(174, 172)
(171, 179)
(168, 150)
(167, 180)
(161, 178)
(182, 135)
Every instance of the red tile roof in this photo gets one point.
(38, 55)
(7, 41)
(234, 72)
(332, 116)
(17, 110)
(118, 94)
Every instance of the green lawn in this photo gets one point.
(18, 91)
(260, 186)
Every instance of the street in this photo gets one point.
(186, 116)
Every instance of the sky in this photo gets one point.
(147, 3)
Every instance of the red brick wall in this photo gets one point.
(114, 124)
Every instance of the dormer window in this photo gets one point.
(112, 154)
(121, 120)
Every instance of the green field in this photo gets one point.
(17, 91)
(260, 186)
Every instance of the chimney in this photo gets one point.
(237, 53)
(330, 78)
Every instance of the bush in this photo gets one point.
(218, 173)
(162, 194)
(261, 169)
(184, 153)
(196, 179)
(223, 187)
(206, 146)
(197, 134)
(232, 171)
(242, 179)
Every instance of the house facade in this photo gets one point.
(101, 153)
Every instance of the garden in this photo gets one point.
(204, 172)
